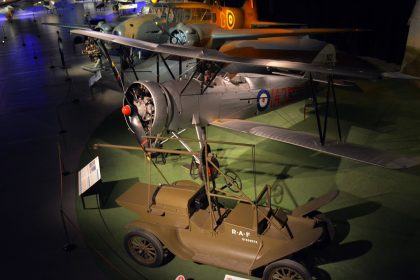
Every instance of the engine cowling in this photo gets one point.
(183, 34)
(103, 27)
(147, 109)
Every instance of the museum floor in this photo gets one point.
(377, 213)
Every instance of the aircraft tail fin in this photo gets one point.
(411, 61)
(326, 57)
(251, 18)
(250, 13)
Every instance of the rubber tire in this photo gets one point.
(286, 263)
(153, 240)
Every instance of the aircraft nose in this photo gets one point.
(118, 30)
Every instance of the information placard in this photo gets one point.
(89, 175)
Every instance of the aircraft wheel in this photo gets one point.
(233, 181)
(144, 248)
(328, 231)
(286, 270)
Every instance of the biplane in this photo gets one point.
(208, 98)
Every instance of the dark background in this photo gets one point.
(387, 20)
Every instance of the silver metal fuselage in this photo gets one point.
(250, 95)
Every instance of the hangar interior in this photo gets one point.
(51, 118)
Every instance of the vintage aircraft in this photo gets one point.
(202, 25)
(153, 108)
(205, 25)
(7, 7)
(223, 16)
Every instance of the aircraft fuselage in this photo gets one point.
(248, 96)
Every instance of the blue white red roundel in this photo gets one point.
(263, 100)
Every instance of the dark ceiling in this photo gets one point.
(387, 20)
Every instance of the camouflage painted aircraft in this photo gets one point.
(202, 25)
(206, 25)
(207, 98)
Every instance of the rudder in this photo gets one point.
(325, 57)
(411, 61)
(250, 13)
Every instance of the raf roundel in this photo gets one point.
(230, 17)
(263, 100)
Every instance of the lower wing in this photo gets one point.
(310, 141)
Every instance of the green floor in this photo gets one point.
(377, 213)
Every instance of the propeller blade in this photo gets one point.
(137, 127)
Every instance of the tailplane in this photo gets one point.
(326, 57)
(250, 13)
(411, 62)
(251, 18)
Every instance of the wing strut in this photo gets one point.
(166, 65)
(113, 66)
(189, 81)
(126, 59)
(322, 130)
(180, 66)
(209, 82)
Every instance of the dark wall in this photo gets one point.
(387, 19)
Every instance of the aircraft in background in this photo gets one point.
(50, 5)
(207, 98)
(224, 17)
(411, 62)
(120, 6)
(7, 7)
(202, 25)
(206, 25)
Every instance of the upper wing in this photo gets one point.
(310, 141)
(216, 56)
(247, 34)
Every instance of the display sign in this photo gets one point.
(89, 175)
(231, 277)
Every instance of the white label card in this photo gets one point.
(89, 175)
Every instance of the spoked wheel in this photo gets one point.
(233, 181)
(144, 248)
(286, 270)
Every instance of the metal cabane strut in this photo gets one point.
(322, 129)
